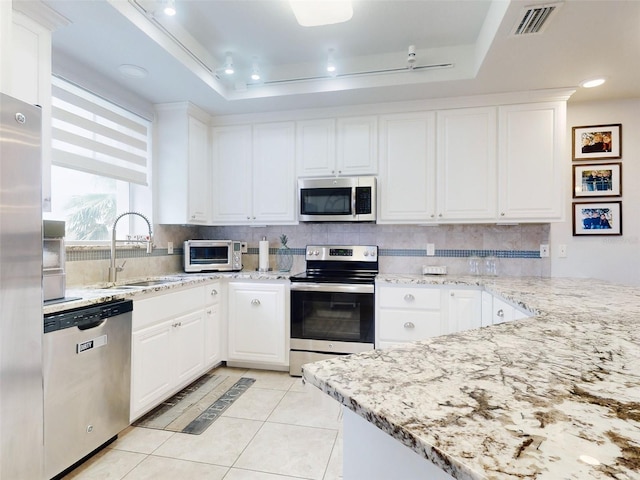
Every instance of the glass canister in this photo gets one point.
(474, 265)
(491, 266)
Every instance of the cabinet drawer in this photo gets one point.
(408, 326)
(152, 310)
(410, 297)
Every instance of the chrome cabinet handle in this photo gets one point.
(500, 313)
(409, 325)
(409, 298)
(255, 302)
(176, 325)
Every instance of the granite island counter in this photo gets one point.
(555, 396)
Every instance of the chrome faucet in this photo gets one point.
(113, 269)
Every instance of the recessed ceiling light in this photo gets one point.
(595, 82)
(132, 71)
(228, 65)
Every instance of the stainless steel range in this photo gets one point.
(332, 303)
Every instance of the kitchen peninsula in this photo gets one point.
(555, 396)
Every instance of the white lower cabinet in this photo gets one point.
(407, 313)
(258, 323)
(464, 310)
(175, 339)
(497, 310)
(214, 342)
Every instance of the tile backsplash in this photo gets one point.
(402, 248)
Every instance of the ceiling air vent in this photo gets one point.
(535, 19)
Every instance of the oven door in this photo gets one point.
(340, 314)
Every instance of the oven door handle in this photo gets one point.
(331, 288)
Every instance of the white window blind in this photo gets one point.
(95, 136)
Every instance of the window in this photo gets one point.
(100, 163)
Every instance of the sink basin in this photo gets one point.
(148, 283)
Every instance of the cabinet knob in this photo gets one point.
(248, 218)
(502, 214)
(209, 311)
(214, 292)
(409, 298)
(255, 302)
(432, 215)
(409, 325)
(440, 215)
(453, 294)
(500, 313)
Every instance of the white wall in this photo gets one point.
(612, 258)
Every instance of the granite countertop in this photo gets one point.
(555, 396)
(95, 294)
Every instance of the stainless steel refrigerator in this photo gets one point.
(21, 331)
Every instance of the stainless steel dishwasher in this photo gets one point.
(87, 375)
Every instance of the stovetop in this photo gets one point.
(355, 264)
(335, 277)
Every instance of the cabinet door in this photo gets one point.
(30, 81)
(467, 161)
(152, 369)
(406, 186)
(257, 323)
(464, 310)
(198, 191)
(188, 346)
(316, 147)
(357, 146)
(502, 311)
(231, 175)
(213, 335)
(274, 185)
(532, 176)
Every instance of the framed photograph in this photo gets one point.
(597, 218)
(597, 142)
(597, 180)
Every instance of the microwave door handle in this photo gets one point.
(353, 201)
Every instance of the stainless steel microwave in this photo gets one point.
(212, 256)
(337, 199)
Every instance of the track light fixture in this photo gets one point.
(170, 8)
(228, 65)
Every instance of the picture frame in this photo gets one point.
(597, 218)
(597, 142)
(597, 180)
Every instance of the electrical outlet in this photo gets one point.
(544, 250)
(431, 249)
(562, 251)
(243, 247)
(169, 248)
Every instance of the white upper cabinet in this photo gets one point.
(467, 164)
(274, 184)
(231, 181)
(406, 184)
(330, 147)
(530, 164)
(357, 148)
(183, 164)
(316, 147)
(254, 174)
(25, 49)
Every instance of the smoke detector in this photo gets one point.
(535, 19)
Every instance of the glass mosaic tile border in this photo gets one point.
(81, 254)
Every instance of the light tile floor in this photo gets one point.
(278, 429)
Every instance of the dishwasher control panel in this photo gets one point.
(85, 316)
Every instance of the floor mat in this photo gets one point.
(197, 406)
